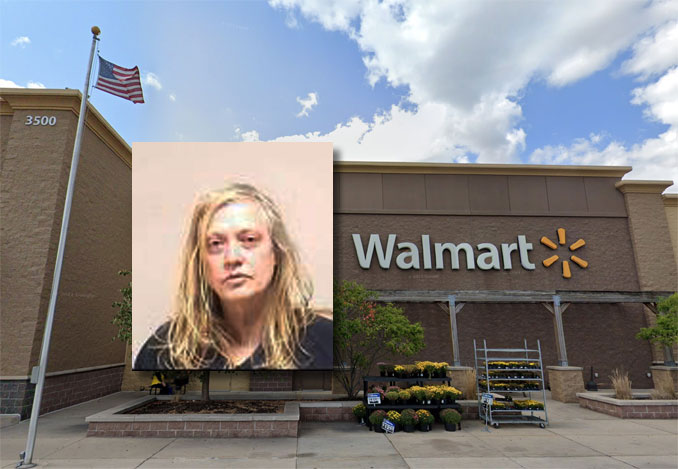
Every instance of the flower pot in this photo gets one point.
(450, 427)
(361, 420)
(425, 427)
(378, 429)
(408, 428)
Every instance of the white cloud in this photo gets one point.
(466, 66)
(307, 104)
(251, 136)
(661, 98)
(172, 97)
(21, 41)
(8, 84)
(655, 158)
(151, 79)
(653, 55)
(291, 20)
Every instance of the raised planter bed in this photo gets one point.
(115, 423)
(640, 408)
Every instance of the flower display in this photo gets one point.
(393, 416)
(425, 417)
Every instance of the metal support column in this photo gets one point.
(557, 310)
(558, 313)
(454, 309)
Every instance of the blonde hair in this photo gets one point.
(196, 334)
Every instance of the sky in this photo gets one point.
(526, 82)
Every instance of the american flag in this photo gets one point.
(120, 81)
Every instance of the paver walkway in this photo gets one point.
(577, 438)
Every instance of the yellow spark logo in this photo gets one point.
(573, 247)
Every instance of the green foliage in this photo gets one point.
(365, 331)
(377, 417)
(666, 330)
(123, 318)
(450, 416)
(360, 410)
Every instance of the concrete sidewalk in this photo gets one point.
(576, 437)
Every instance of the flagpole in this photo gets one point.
(27, 456)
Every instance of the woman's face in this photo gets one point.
(240, 255)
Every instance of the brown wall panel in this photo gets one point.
(98, 246)
(602, 336)
(649, 229)
(566, 195)
(602, 196)
(404, 191)
(488, 194)
(447, 192)
(33, 181)
(357, 191)
(527, 194)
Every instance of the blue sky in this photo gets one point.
(395, 80)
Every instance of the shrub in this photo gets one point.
(450, 416)
(409, 417)
(392, 388)
(377, 417)
(365, 331)
(621, 384)
(360, 411)
(665, 332)
(425, 417)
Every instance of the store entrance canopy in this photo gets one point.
(556, 302)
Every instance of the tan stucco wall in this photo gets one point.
(671, 208)
(36, 162)
(649, 229)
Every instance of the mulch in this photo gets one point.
(210, 407)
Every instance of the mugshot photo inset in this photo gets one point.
(232, 256)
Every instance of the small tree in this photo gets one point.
(123, 318)
(665, 332)
(365, 331)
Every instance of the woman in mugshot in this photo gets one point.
(243, 297)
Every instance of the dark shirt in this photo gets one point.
(314, 351)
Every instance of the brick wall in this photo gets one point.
(271, 381)
(60, 391)
(635, 411)
(16, 397)
(230, 429)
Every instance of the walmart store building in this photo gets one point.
(470, 251)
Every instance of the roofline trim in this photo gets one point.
(472, 168)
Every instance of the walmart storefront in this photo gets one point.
(572, 256)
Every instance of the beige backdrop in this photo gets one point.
(168, 177)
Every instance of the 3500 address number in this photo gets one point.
(40, 120)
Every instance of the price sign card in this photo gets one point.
(373, 398)
(487, 398)
(388, 426)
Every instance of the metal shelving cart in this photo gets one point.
(503, 371)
